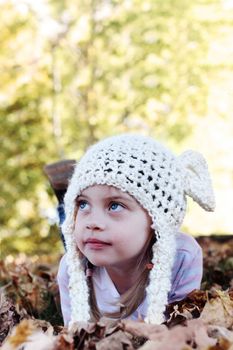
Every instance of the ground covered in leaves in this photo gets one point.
(30, 316)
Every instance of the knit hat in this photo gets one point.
(159, 181)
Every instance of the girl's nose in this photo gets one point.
(95, 226)
(96, 223)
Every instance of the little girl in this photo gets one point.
(125, 255)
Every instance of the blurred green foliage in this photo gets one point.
(73, 72)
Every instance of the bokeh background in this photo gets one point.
(73, 72)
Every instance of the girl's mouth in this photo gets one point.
(94, 243)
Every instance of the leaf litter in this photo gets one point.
(30, 315)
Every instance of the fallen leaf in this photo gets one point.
(27, 336)
(219, 311)
(20, 333)
(194, 335)
(9, 316)
(116, 341)
(64, 342)
(144, 329)
(222, 344)
(199, 334)
(220, 332)
(149, 345)
(39, 341)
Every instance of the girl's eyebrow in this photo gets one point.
(82, 196)
(109, 198)
(119, 198)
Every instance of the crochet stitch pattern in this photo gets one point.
(159, 181)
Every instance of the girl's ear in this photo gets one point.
(197, 181)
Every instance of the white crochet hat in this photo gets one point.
(159, 181)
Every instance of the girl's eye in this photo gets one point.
(82, 205)
(114, 206)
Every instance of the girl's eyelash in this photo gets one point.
(83, 202)
(117, 203)
(79, 202)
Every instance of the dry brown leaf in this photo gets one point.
(149, 345)
(88, 327)
(64, 342)
(219, 311)
(180, 338)
(9, 316)
(4, 306)
(184, 312)
(86, 335)
(186, 309)
(116, 341)
(222, 344)
(142, 329)
(111, 325)
(199, 334)
(220, 332)
(46, 326)
(152, 345)
(169, 341)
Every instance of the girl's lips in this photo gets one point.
(96, 243)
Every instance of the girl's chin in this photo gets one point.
(98, 263)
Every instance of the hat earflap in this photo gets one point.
(197, 181)
(164, 251)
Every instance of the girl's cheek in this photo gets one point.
(79, 244)
(76, 237)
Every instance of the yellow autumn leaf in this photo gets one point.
(19, 335)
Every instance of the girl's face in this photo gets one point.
(111, 228)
